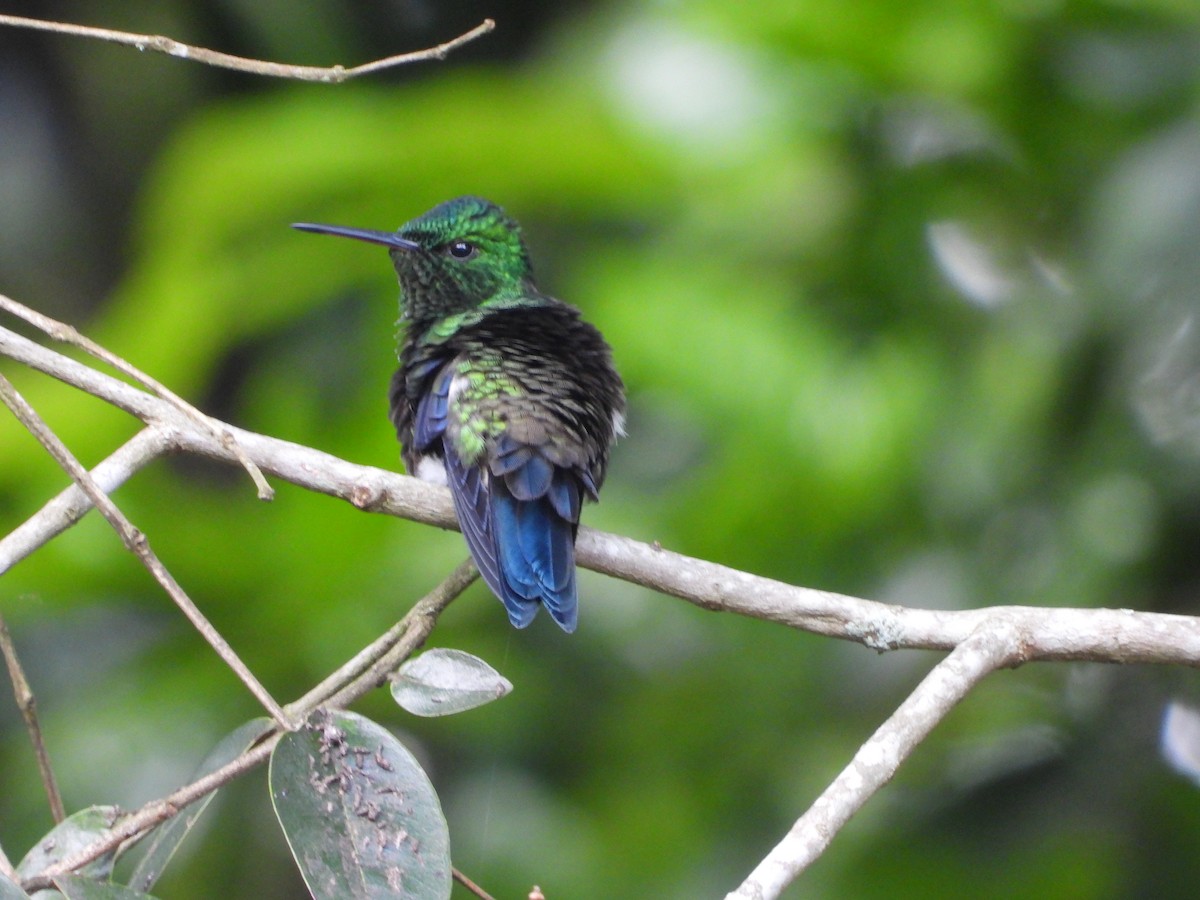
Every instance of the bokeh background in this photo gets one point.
(905, 296)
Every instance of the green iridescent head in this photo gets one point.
(459, 255)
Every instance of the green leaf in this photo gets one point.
(440, 682)
(77, 887)
(67, 837)
(167, 837)
(359, 813)
(11, 891)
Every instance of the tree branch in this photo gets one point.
(329, 75)
(471, 886)
(1048, 633)
(994, 645)
(66, 509)
(60, 331)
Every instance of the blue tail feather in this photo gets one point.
(564, 495)
(531, 480)
(507, 455)
(525, 548)
(537, 556)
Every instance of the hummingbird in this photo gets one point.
(503, 393)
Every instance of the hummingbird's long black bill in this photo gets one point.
(387, 238)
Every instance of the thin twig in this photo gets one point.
(412, 631)
(27, 703)
(135, 541)
(407, 635)
(420, 621)
(330, 75)
(470, 885)
(61, 331)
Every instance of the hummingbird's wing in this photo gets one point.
(466, 483)
(518, 510)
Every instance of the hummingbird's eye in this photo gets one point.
(461, 249)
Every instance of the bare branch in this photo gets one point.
(1101, 635)
(330, 75)
(1050, 633)
(69, 371)
(135, 542)
(423, 617)
(60, 331)
(27, 703)
(994, 645)
(69, 506)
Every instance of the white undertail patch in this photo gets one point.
(432, 469)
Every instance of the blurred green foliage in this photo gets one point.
(905, 298)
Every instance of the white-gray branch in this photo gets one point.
(1099, 635)
(878, 759)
